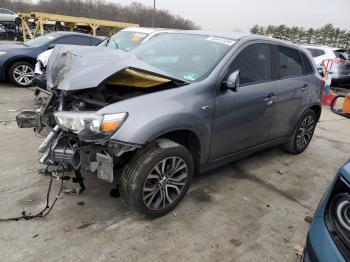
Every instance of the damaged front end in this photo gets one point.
(63, 147)
(82, 81)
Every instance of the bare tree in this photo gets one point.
(133, 13)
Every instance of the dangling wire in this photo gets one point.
(48, 208)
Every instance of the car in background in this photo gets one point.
(341, 63)
(321, 52)
(9, 16)
(17, 61)
(126, 40)
(329, 234)
(181, 103)
(129, 38)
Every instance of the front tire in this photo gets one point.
(157, 178)
(302, 134)
(21, 74)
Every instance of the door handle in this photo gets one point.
(271, 96)
(206, 108)
(305, 86)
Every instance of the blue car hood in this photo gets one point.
(11, 47)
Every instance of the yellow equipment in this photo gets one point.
(70, 21)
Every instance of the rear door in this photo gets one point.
(293, 83)
(243, 118)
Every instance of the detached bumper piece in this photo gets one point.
(40, 81)
(27, 118)
(104, 167)
(65, 148)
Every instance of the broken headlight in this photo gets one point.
(89, 125)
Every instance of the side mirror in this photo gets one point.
(232, 81)
(51, 46)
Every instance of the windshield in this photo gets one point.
(41, 40)
(124, 40)
(184, 56)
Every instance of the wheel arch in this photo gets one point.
(10, 62)
(317, 109)
(188, 139)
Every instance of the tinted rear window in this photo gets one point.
(74, 40)
(289, 62)
(316, 52)
(306, 63)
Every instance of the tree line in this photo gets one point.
(98, 9)
(326, 35)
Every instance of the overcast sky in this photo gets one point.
(243, 14)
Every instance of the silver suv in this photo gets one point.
(181, 103)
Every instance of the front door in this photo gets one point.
(243, 118)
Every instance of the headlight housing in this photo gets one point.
(3, 53)
(88, 125)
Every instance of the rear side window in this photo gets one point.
(289, 62)
(95, 41)
(308, 69)
(254, 64)
(316, 52)
(74, 40)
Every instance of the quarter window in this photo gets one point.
(307, 65)
(289, 62)
(316, 52)
(254, 64)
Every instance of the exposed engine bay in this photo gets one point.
(76, 136)
(81, 150)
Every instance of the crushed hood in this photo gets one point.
(80, 67)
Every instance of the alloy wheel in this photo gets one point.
(23, 75)
(165, 183)
(305, 132)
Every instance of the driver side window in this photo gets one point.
(254, 64)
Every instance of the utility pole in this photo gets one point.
(154, 14)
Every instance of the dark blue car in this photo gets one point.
(17, 61)
(329, 235)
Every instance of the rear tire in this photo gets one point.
(303, 133)
(21, 74)
(157, 177)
